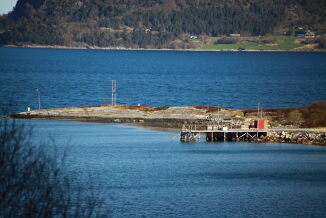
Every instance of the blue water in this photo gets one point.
(144, 173)
(160, 78)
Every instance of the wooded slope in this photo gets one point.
(152, 23)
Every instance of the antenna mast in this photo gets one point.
(259, 111)
(114, 92)
(39, 98)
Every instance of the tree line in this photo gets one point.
(153, 23)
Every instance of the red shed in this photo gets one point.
(261, 124)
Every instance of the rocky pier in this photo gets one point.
(294, 137)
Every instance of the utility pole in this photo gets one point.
(39, 98)
(218, 116)
(259, 113)
(114, 92)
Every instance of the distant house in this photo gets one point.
(193, 37)
(306, 34)
(235, 35)
(300, 33)
(297, 28)
(309, 34)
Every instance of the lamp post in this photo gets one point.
(39, 99)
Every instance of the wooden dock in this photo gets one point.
(217, 134)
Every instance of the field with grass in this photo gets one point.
(267, 43)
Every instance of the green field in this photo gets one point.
(258, 43)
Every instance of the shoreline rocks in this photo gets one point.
(307, 138)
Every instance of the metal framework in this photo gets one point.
(190, 133)
(114, 92)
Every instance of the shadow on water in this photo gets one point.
(302, 176)
(256, 151)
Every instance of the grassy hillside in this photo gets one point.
(284, 43)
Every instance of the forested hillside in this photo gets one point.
(153, 23)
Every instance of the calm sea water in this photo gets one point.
(146, 173)
(159, 78)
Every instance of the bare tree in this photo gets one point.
(295, 117)
(33, 183)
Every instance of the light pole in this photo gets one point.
(39, 99)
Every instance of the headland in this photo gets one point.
(282, 125)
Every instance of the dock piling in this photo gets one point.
(192, 134)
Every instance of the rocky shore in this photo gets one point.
(288, 136)
(165, 117)
(308, 138)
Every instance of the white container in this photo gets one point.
(209, 127)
